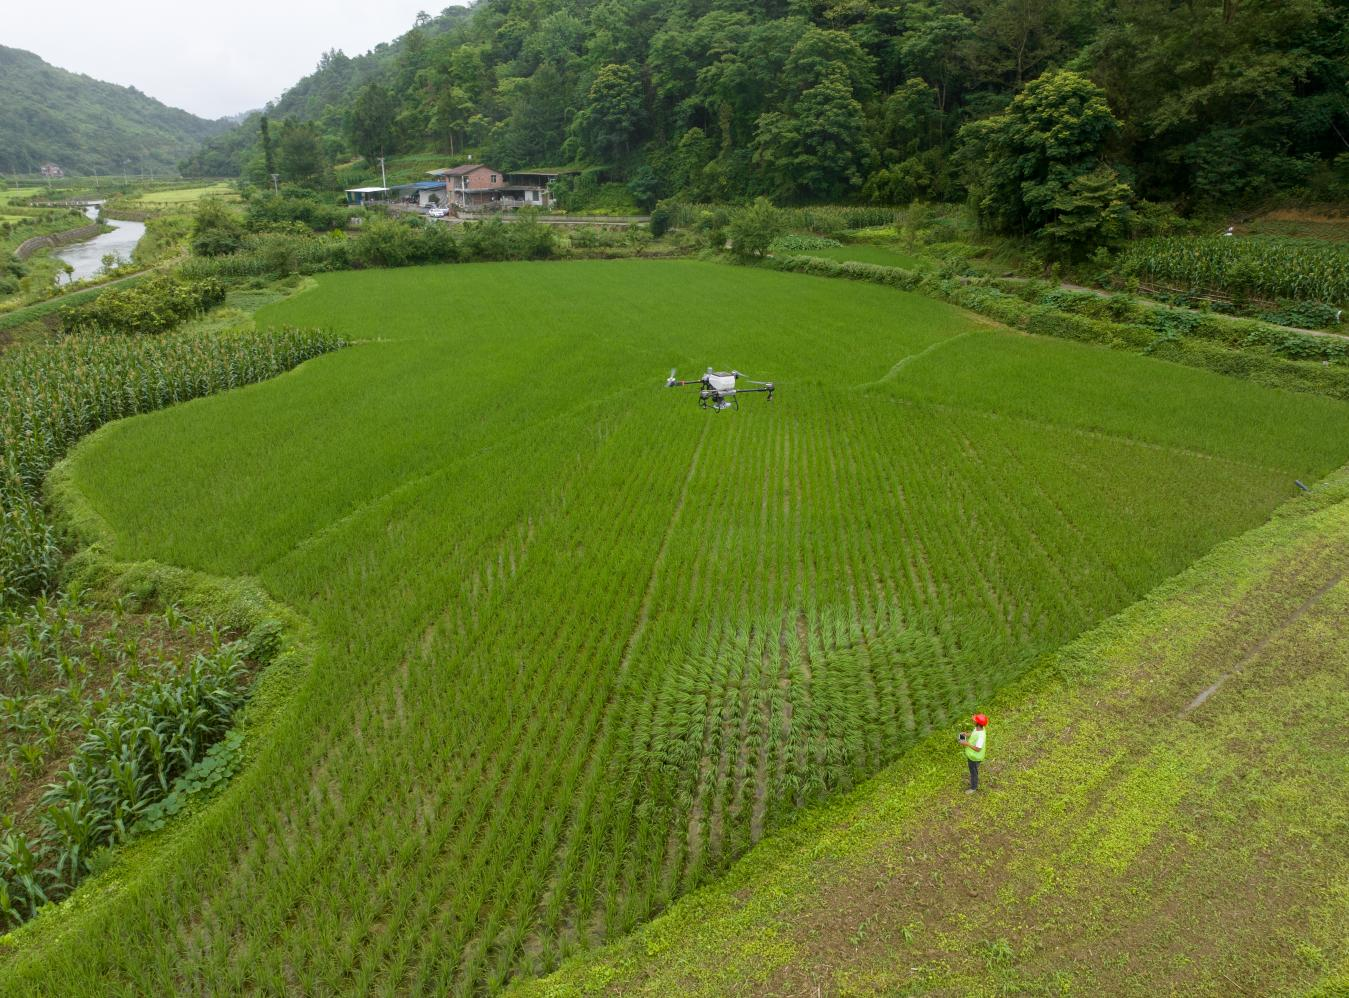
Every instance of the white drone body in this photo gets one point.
(718, 389)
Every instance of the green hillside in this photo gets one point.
(86, 126)
(579, 644)
(1214, 102)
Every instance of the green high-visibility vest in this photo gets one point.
(976, 754)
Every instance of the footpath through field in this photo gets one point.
(1164, 812)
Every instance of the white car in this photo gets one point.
(436, 211)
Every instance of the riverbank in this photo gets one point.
(56, 239)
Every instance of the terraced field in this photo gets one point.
(580, 643)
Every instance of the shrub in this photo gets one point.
(215, 229)
(752, 229)
(267, 210)
(153, 306)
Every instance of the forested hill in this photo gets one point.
(84, 125)
(1204, 100)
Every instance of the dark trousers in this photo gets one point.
(974, 774)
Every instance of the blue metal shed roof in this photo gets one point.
(419, 185)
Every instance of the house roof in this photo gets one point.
(419, 185)
(366, 190)
(459, 171)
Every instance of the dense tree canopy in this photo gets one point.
(1200, 101)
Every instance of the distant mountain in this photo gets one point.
(87, 126)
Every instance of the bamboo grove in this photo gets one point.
(580, 643)
(54, 393)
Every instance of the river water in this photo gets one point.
(87, 257)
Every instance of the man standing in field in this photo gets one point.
(973, 744)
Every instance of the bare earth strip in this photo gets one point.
(1165, 811)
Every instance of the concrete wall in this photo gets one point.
(30, 246)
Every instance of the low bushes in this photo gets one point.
(153, 306)
(381, 242)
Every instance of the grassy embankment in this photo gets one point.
(1164, 811)
(578, 644)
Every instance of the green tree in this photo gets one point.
(1092, 210)
(268, 154)
(819, 148)
(215, 229)
(1018, 163)
(1227, 99)
(370, 125)
(753, 228)
(612, 114)
(300, 157)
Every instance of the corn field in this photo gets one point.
(1293, 269)
(139, 719)
(52, 394)
(580, 644)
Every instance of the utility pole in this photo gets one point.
(275, 177)
(383, 180)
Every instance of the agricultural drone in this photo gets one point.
(718, 389)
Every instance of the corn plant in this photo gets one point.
(1293, 269)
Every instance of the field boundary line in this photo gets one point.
(904, 361)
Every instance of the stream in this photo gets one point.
(87, 257)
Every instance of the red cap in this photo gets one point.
(981, 720)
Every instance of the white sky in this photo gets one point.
(212, 59)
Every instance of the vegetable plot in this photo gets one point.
(581, 643)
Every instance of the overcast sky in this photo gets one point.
(211, 59)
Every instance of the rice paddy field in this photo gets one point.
(580, 644)
(182, 198)
(884, 256)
